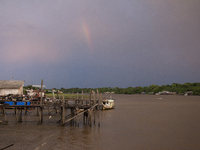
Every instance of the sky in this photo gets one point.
(101, 43)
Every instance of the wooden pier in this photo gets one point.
(77, 108)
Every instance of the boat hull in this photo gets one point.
(108, 104)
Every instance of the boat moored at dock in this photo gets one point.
(108, 104)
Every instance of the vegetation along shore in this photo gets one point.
(174, 88)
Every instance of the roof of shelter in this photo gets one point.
(11, 84)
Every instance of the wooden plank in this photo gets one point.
(7, 147)
(79, 114)
(41, 92)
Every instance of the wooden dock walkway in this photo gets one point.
(76, 106)
(94, 102)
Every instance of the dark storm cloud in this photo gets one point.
(100, 43)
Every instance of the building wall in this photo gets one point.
(11, 91)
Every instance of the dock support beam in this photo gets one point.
(72, 115)
(90, 98)
(63, 111)
(37, 111)
(20, 115)
(41, 114)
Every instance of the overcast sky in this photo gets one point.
(100, 43)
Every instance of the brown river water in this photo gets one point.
(138, 122)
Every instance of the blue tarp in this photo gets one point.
(10, 103)
(20, 103)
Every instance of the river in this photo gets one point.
(138, 122)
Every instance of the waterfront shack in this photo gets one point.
(11, 87)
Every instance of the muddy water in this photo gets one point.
(139, 122)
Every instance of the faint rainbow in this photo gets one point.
(87, 35)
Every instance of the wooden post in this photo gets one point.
(77, 118)
(20, 115)
(82, 98)
(25, 110)
(98, 109)
(101, 101)
(48, 110)
(16, 114)
(94, 95)
(97, 95)
(90, 97)
(5, 118)
(63, 110)
(37, 111)
(59, 94)
(41, 92)
(94, 114)
(61, 114)
(55, 109)
(72, 114)
(85, 115)
(15, 109)
(90, 118)
(53, 94)
(66, 102)
(3, 110)
(41, 114)
(41, 103)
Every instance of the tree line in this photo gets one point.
(152, 89)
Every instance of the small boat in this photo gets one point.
(108, 104)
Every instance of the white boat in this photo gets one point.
(108, 104)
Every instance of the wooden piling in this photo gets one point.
(55, 109)
(101, 101)
(98, 108)
(16, 114)
(72, 115)
(5, 118)
(53, 94)
(63, 111)
(3, 111)
(41, 103)
(59, 94)
(20, 115)
(94, 100)
(77, 118)
(41, 114)
(41, 92)
(37, 111)
(48, 110)
(82, 98)
(15, 110)
(25, 110)
(90, 97)
(85, 114)
(94, 112)
(90, 117)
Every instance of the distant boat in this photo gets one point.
(108, 104)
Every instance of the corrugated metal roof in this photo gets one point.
(11, 84)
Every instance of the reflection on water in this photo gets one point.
(138, 122)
